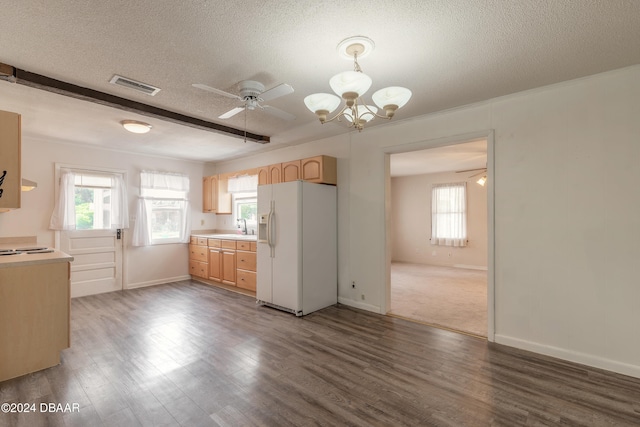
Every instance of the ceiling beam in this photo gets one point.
(38, 81)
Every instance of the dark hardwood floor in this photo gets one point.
(193, 355)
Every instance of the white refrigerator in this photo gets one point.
(297, 265)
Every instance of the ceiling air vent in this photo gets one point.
(132, 84)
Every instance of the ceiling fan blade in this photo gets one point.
(231, 113)
(276, 92)
(214, 90)
(472, 170)
(278, 112)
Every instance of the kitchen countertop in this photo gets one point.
(249, 237)
(32, 259)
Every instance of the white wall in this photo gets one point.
(411, 222)
(567, 212)
(143, 266)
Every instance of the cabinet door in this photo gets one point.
(206, 194)
(223, 196)
(246, 260)
(320, 169)
(198, 253)
(229, 267)
(215, 262)
(246, 280)
(210, 194)
(275, 174)
(291, 171)
(10, 163)
(263, 175)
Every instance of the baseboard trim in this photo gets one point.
(470, 267)
(157, 282)
(360, 305)
(571, 356)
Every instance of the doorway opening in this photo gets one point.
(434, 279)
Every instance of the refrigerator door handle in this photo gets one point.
(270, 229)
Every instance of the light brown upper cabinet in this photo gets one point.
(224, 197)
(263, 175)
(210, 193)
(10, 162)
(321, 169)
(275, 174)
(215, 197)
(291, 171)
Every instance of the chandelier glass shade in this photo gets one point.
(351, 86)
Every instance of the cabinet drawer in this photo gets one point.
(246, 260)
(198, 253)
(243, 245)
(246, 280)
(193, 240)
(228, 244)
(213, 243)
(202, 241)
(198, 269)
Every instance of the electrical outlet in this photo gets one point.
(449, 254)
(353, 284)
(202, 222)
(362, 296)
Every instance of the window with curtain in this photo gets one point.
(163, 214)
(90, 200)
(449, 214)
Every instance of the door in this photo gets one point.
(287, 271)
(97, 260)
(99, 201)
(263, 251)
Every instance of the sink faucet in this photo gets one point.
(243, 227)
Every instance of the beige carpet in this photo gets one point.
(454, 298)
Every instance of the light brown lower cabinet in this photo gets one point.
(34, 317)
(198, 258)
(222, 261)
(228, 266)
(215, 260)
(229, 262)
(246, 263)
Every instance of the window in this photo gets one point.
(90, 200)
(92, 197)
(245, 208)
(449, 214)
(163, 209)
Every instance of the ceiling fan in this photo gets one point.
(483, 172)
(252, 94)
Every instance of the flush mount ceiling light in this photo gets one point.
(351, 85)
(136, 126)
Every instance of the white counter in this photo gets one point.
(249, 237)
(33, 259)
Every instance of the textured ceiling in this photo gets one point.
(449, 53)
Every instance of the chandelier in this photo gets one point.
(351, 85)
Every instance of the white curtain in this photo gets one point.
(119, 203)
(157, 191)
(243, 184)
(449, 214)
(141, 228)
(64, 211)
